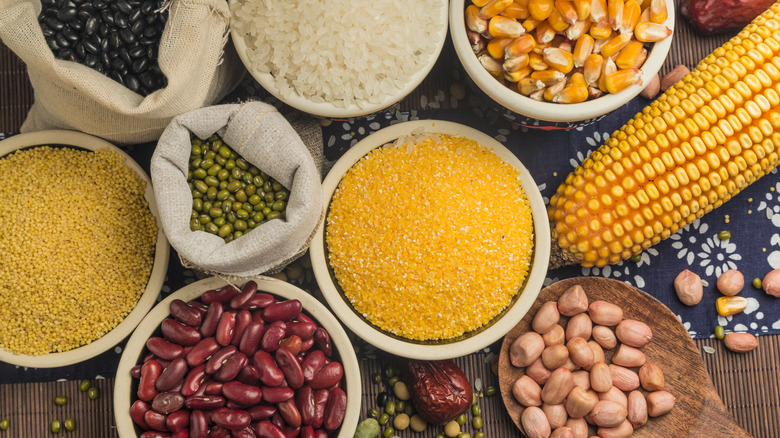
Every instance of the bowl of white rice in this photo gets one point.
(339, 58)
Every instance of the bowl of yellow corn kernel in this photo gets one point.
(83, 256)
(561, 63)
(434, 242)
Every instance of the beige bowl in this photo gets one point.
(156, 278)
(125, 386)
(469, 342)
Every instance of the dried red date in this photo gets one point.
(440, 391)
(710, 17)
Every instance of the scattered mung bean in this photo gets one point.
(5, 424)
(93, 393)
(69, 424)
(84, 385)
(56, 426)
(60, 400)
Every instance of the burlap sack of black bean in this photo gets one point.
(258, 134)
(120, 69)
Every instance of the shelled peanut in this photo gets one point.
(568, 384)
(565, 51)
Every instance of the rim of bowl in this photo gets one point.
(548, 111)
(327, 109)
(159, 267)
(137, 342)
(497, 328)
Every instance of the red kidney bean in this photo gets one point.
(200, 307)
(221, 295)
(171, 375)
(150, 372)
(193, 381)
(164, 349)
(272, 336)
(319, 433)
(304, 400)
(301, 329)
(155, 434)
(328, 376)
(218, 432)
(261, 412)
(278, 421)
(241, 393)
(231, 368)
(225, 328)
(167, 402)
(270, 374)
(247, 292)
(282, 310)
(290, 366)
(246, 432)
(202, 351)
(292, 343)
(185, 433)
(266, 429)
(290, 413)
(260, 300)
(212, 388)
(184, 313)
(178, 420)
(179, 333)
(218, 359)
(135, 372)
(306, 344)
(204, 402)
(312, 364)
(307, 431)
(277, 394)
(335, 410)
(251, 337)
(243, 319)
(321, 398)
(155, 420)
(211, 319)
(291, 432)
(322, 341)
(199, 424)
(232, 419)
(137, 411)
(248, 375)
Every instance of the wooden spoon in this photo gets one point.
(698, 412)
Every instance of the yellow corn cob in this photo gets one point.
(658, 13)
(692, 149)
(567, 10)
(559, 59)
(628, 56)
(649, 32)
(516, 11)
(582, 49)
(496, 46)
(557, 22)
(522, 44)
(540, 9)
(615, 45)
(631, 14)
(583, 9)
(503, 27)
(473, 22)
(493, 8)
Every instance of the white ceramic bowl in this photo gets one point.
(529, 112)
(159, 268)
(328, 109)
(469, 342)
(125, 386)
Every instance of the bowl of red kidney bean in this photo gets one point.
(259, 359)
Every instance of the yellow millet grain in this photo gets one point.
(77, 246)
(430, 240)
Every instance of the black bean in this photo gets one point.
(151, 53)
(135, 15)
(117, 64)
(85, 15)
(124, 70)
(54, 24)
(140, 65)
(148, 80)
(70, 4)
(100, 69)
(103, 30)
(124, 6)
(125, 56)
(150, 32)
(151, 19)
(52, 43)
(49, 3)
(80, 51)
(72, 36)
(62, 41)
(47, 31)
(104, 45)
(105, 61)
(137, 52)
(115, 75)
(114, 41)
(76, 25)
(66, 54)
(91, 46)
(121, 20)
(108, 17)
(138, 27)
(127, 36)
(148, 41)
(92, 26)
(99, 4)
(132, 82)
(90, 61)
(147, 7)
(67, 14)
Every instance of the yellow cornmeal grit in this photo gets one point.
(77, 246)
(430, 240)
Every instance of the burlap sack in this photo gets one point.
(263, 137)
(193, 55)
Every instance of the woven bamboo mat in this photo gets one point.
(748, 384)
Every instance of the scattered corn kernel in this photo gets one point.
(727, 306)
(401, 207)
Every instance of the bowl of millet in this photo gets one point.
(83, 257)
(434, 240)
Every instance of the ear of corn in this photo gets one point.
(696, 146)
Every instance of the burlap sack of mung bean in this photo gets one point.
(260, 134)
(193, 55)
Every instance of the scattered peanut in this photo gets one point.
(555, 356)
(538, 372)
(600, 377)
(562, 432)
(616, 395)
(580, 402)
(740, 342)
(652, 88)
(558, 386)
(771, 283)
(730, 282)
(688, 287)
(673, 76)
(580, 352)
(622, 430)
